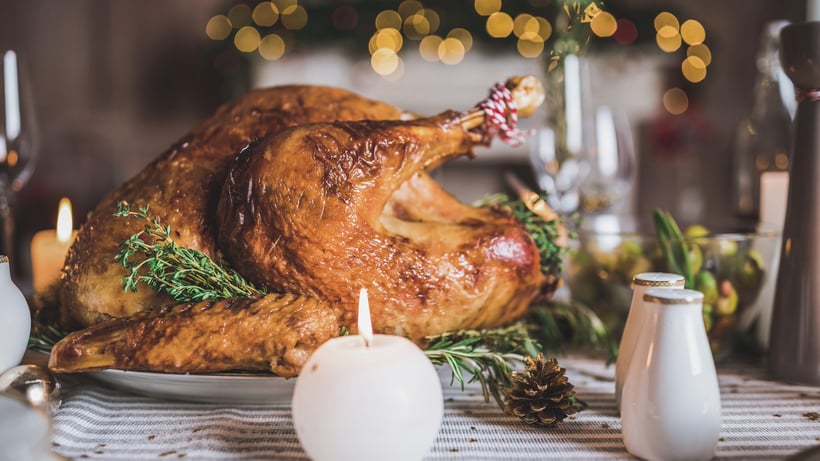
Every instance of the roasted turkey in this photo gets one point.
(314, 193)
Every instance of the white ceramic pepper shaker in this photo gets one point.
(670, 407)
(634, 321)
(16, 319)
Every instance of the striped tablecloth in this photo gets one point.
(761, 420)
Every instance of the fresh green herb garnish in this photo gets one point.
(486, 356)
(153, 258)
(560, 325)
(44, 337)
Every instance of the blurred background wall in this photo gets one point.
(115, 82)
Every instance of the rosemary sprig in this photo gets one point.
(486, 356)
(153, 258)
(544, 233)
(43, 337)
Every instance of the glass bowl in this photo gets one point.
(735, 268)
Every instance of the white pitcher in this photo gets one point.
(634, 321)
(670, 407)
(15, 319)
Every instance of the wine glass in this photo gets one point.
(610, 156)
(18, 141)
(586, 166)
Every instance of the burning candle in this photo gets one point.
(49, 248)
(367, 397)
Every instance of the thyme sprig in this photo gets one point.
(153, 258)
(545, 234)
(485, 356)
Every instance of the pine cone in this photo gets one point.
(542, 394)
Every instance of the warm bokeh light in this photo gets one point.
(386, 38)
(627, 33)
(239, 15)
(388, 19)
(668, 31)
(294, 17)
(462, 35)
(692, 32)
(433, 19)
(544, 28)
(781, 160)
(675, 101)
(408, 8)
(451, 51)
(246, 39)
(499, 25)
(530, 48)
(693, 69)
(668, 44)
(218, 27)
(416, 26)
(523, 27)
(384, 61)
(666, 19)
(702, 51)
(397, 74)
(604, 24)
(487, 7)
(265, 14)
(272, 47)
(428, 48)
(284, 4)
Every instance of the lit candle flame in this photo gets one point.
(365, 326)
(64, 222)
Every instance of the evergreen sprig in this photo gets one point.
(486, 356)
(153, 258)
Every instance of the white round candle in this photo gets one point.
(369, 397)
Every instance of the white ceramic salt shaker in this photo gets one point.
(634, 321)
(16, 325)
(670, 407)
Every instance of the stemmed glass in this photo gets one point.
(591, 168)
(609, 153)
(18, 141)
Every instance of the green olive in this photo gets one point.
(695, 231)
(630, 249)
(708, 317)
(727, 299)
(750, 276)
(705, 283)
(695, 257)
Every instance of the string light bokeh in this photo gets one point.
(540, 29)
